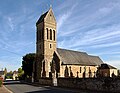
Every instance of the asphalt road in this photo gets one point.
(18, 87)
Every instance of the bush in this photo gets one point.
(9, 77)
(0, 83)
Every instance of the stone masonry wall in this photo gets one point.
(96, 84)
(109, 85)
(45, 81)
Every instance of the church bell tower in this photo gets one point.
(46, 43)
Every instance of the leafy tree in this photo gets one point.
(20, 72)
(11, 72)
(5, 71)
(9, 75)
(27, 64)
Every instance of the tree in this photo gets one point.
(20, 70)
(9, 75)
(11, 72)
(27, 64)
(5, 71)
(20, 73)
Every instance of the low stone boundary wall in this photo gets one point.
(97, 84)
(46, 81)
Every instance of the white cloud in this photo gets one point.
(86, 25)
(100, 37)
(106, 45)
(64, 17)
(10, 65)
(83, 21)
(112, 52)
(10, 23)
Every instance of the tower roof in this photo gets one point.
(41, 19)
(43, 16)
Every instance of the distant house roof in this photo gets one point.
(1, 72)
(41, 19)
(107, 66)
(9, 74)
(70, 57)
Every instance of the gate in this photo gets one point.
(54, 79)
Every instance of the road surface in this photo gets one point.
(18, 87)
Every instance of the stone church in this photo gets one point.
(56, 62)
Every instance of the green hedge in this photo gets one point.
(0, 83)
(9, 77)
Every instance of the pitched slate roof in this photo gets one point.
(111, 67)
(95, 59)
(9, 74)
(1, 72)
(107, 66)
(41, 19)
(70, 57)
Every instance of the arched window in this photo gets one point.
(50, 46)
(54, 34)
(85, 68)
(50, 34)
(90, 73)
(80, 70)
(47, 33)
(66, 73)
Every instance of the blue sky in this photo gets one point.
(92, 26)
